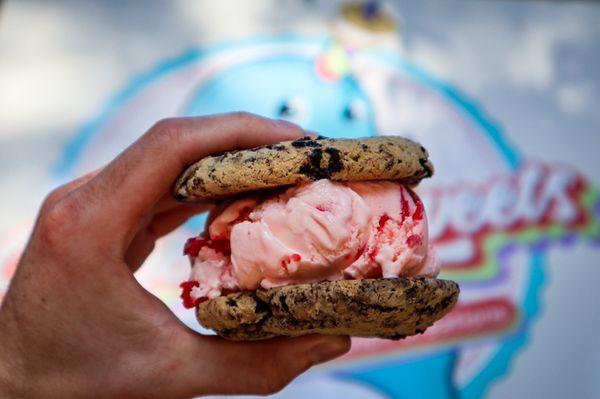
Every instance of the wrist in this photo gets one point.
(8, 384)
(24, 372)
(11, 381)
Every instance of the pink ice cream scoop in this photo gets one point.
(321, 230)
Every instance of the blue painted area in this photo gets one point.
(288, 87)
(421, 378)
(530, 307)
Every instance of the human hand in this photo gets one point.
(76, 323)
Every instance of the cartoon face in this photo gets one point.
(315, 92)
(288, 88)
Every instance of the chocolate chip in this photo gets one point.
(301, 297)
(410, 293)
(261, 307)
(305, 142)
(429, 310)
(283, 303)
(425, 165)
(446, 302)
(335, 164)
(312, 168)
(232, 303)
(292, 322)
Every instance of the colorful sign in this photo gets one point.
(493, 212)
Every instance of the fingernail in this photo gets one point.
(329, 348)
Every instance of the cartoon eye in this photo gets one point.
(285, 111)
(355, 110)
(295, 109)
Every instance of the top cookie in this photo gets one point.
(303, 160)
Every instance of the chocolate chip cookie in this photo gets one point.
(303, 160)
(386, 308)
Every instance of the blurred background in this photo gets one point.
(504, 94)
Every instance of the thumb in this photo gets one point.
(264, 367)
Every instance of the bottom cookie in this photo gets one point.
(391, 308)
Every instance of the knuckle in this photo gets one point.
(52, 198)
(166, 130)
(58, 219)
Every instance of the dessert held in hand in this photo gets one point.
(323, 235)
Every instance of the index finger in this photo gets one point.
(130, 185)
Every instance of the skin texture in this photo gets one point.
(75, 322)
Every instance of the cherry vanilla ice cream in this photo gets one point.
(322, 230)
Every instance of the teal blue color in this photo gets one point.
(288, 87)
(420, 378)
(530, 307)
(264, 87)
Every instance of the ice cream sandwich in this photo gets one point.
(315, 235)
